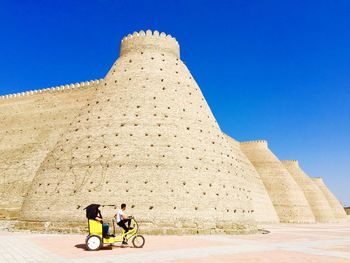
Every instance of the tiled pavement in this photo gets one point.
(286, 243)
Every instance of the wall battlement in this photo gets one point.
(262, 142)
(83, 84)
(141, 41)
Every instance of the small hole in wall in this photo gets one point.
(151, 207)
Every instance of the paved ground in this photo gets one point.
(286, 243)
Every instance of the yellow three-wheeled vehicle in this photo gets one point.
(95, 240)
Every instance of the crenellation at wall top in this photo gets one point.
(83, 84)
(255, 142)
(141, 41)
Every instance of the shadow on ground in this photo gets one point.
(106, 247)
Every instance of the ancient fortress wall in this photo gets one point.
(149, 139)
(30, 125)
(143, 135)
(338, 209)
(264, 211)
(288, 199)
(317, 201)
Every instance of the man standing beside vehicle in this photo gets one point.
(122, 219)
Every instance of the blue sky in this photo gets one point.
(274, 70)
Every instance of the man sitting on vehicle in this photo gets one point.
(122, 219)
(93, 212)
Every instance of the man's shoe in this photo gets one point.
(124, 243)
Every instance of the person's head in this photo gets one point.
(123, 207)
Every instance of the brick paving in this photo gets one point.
(317, 243)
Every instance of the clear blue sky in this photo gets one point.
(275, 70)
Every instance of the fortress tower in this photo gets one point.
(338, 210)
(30, 125)
(264, 211)
(317, 201)
(149, 139)
(288, 199)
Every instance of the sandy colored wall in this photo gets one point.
(287, 197)
(316, 199)
(264, 211)
(149, 139)
(338, 209)
(30, 125)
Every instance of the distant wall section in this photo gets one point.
(30, 125)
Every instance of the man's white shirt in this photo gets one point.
(120, 215)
